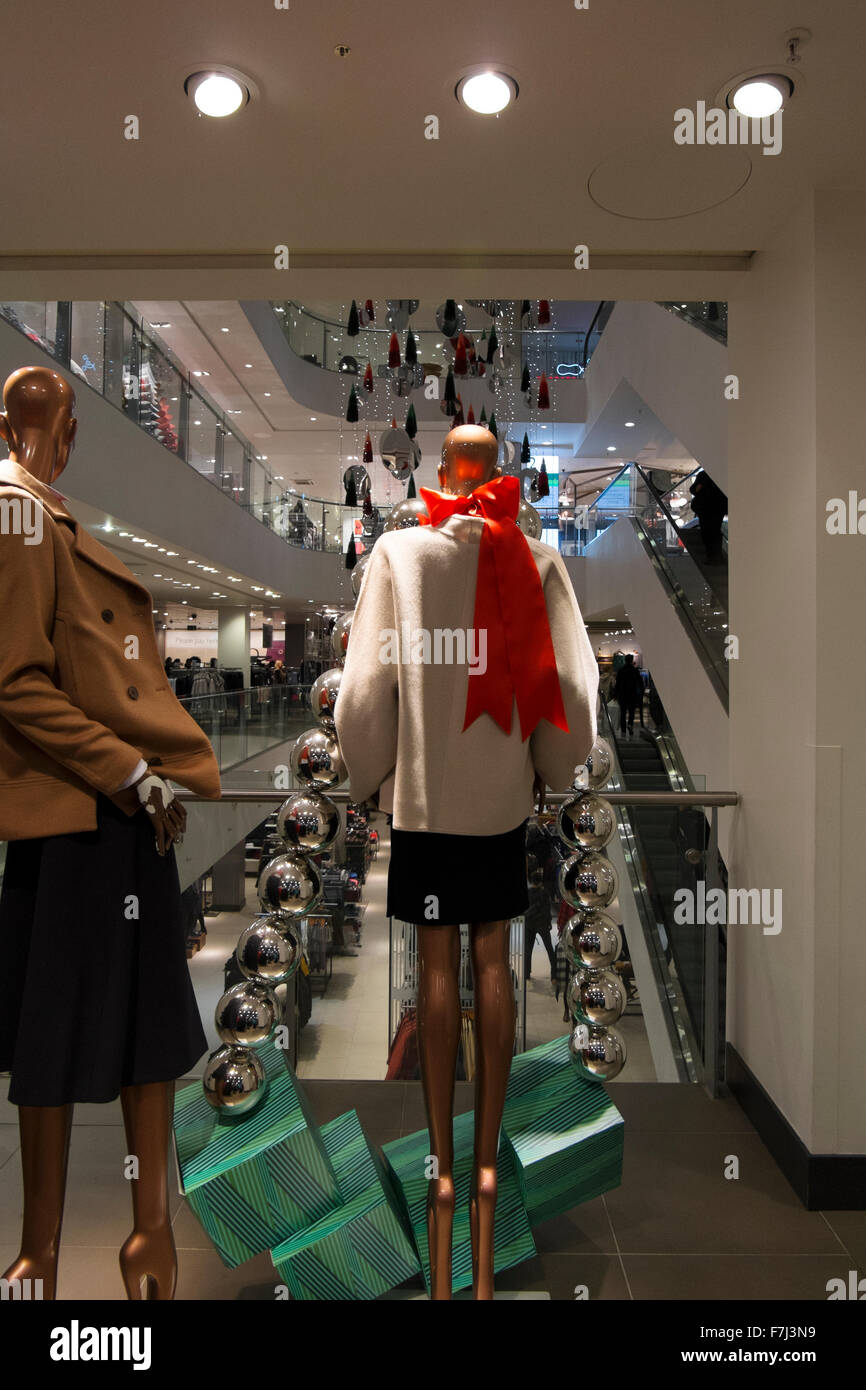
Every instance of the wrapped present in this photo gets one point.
(254, 1180)
(363, 1248)
(407, 1160)
(565, 1133)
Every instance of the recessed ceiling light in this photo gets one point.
(757, 97)
(160, 325)
(217, 93)
(248, 364)
(314, 418)
(225, 330)
(629, 424)
(611, 448)
(267, 393)
(486, 93)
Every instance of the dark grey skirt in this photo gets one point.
(93, 997)
(457, 878)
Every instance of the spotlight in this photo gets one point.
(757, 97)
(487, 93)
(218, 92)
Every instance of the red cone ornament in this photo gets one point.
(460, 358)
(543, 394)
(368, 377)
(368, 449)
(394, 351)
(543, 311)
(470, 416)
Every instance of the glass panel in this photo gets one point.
(202, 439)
(87, 343)
(35, 318)
(234, 467)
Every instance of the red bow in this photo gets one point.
(521, 662)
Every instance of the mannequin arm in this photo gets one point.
(555, 754)
(29, 699)
(366, 709)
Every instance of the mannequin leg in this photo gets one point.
(438, 1039)
(148, 1257)
(45, 1132)
(494, 1032)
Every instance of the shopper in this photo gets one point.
(710, 506)
(628, 693)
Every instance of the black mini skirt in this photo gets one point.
(449, 879)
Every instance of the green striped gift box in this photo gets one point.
(253, 1180)
(565, 1133)
(360, 1250)
(407, 1160)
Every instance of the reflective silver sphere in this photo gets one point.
(594, 938)
(269, 949)
(348, 365)
(406, 513)
(359, 571)
(308, 822)
(586, 822)
(597, 997)
(587, 881)
(340, 635)
(595, 773)
(247, 1014)
(234, 1080)
(361, 477)
(529, 521)
(290, 884)
(397, 453)
(323, 696)
(601, 1055)
(316, 760)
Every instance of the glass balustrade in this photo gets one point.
(709, 315)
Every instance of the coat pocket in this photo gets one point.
(64, 674)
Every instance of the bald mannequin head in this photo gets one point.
(469, 456)
(38, 421)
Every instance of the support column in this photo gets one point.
(233, 639)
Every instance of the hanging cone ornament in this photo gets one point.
(483, 417)
(411, 350)
(370, 312)
(368, 377)
(368, 449)
(525, 451)
(352, 407)
(460, 358)
(524, 308)
(492, 425)
(351, 553)
(394, 351)
(470, 416)
(351, 492)
(393, 422)
(368, 504)
(450, 394)
(543, 393)
(543, 484)
(492, 346)
(458, 417)
(353, 327)
(410, 491)
(543, 311)
(411, 425)
(524, 380)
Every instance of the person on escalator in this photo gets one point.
(710, 506)
(628, 693)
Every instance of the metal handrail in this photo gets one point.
(614, 797)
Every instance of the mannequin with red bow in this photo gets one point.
(472, 483)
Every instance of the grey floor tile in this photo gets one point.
(569, 1277)
(8, 1143)
(674, 1199)
(378, 1103)
(752, 1278)
(585, 1230)
(850, 1227)
(675, 1109)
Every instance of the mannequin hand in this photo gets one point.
(539, 787)
(161, 804)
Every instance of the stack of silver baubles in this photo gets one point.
(289, 887)
(588, 883)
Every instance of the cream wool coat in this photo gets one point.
(400, 724)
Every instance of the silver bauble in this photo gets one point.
(509, 453)
(340, 635)
(247, 1014)
(358, 472)
(406, 513)
(593, 938)
(529, 521)
(323, 696)
(234, 1080)
(269, 949)
(370, 522)
(494, 382)
(587, 880)
(599, 1053)
(403, 379)
(359, 571)
(348, 365)
(290, 884)
(598, 766)
(396, 452)
(397, 312)
(586, 822)
(597, 997)
(308, 822)
(451, 326)
(316, 759)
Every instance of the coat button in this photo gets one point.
(155, 762)
(132, 692)
(107, 615)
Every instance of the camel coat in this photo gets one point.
(83, 691)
